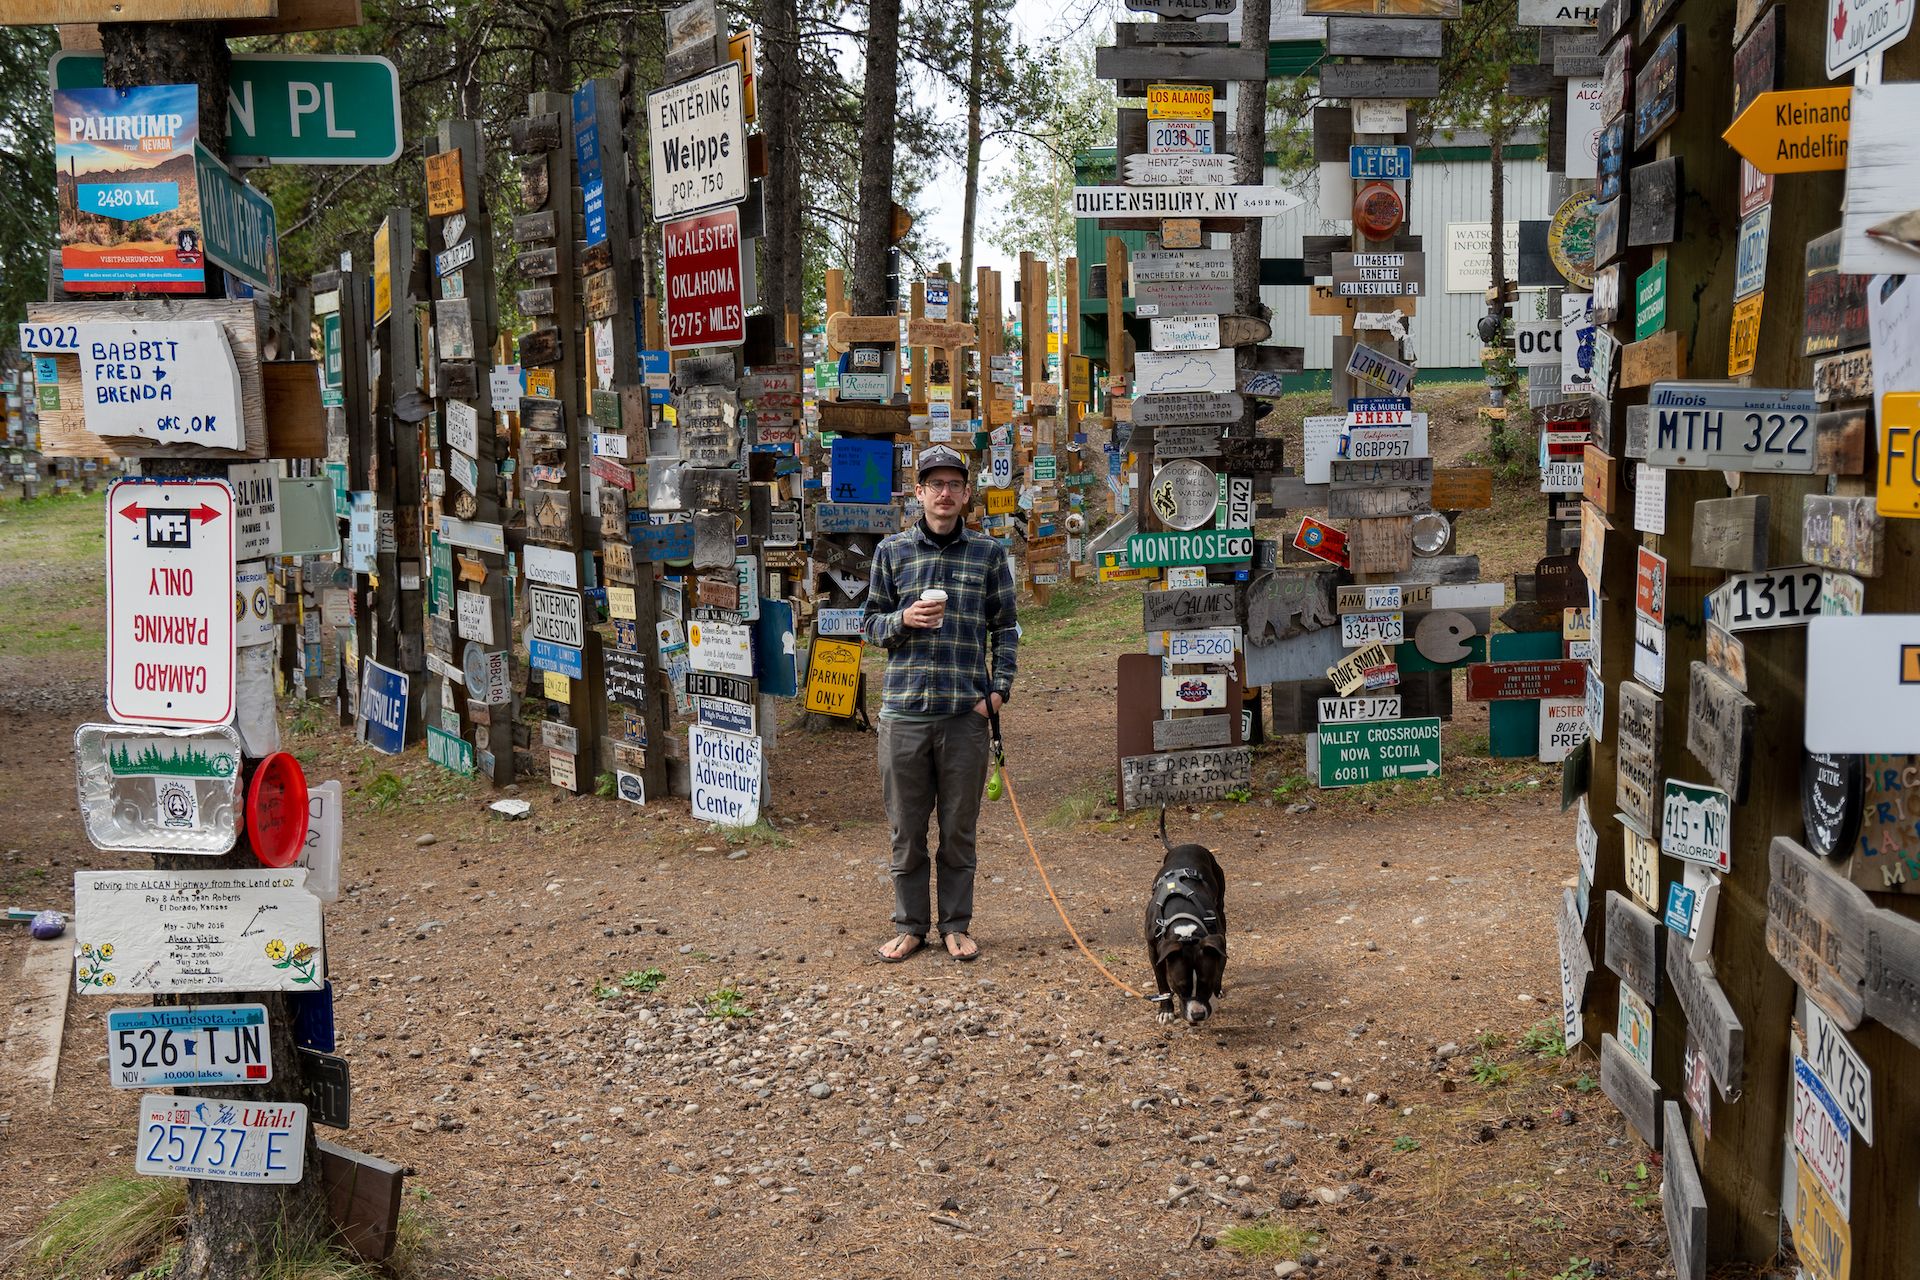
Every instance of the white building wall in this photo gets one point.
(1442, 192)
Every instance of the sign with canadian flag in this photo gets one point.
(170, 576)
(704, 303)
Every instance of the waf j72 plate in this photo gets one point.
(154, 790)
(189, 1045)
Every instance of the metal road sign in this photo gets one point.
(1376, 750)
(170, 574)
(287, 108)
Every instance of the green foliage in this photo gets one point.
(1576, 1269)
(1290, 784)
(1406, 1142)
(1544, 1039)
(1487, 1040)
(643, 981)
(109, 1226)
(1032, 201)
(1586, 1083)
(726, 1002)
(1267, 1240)
(1487, 1072)
(385, 792)
(604, 785)
(1239, 795)
(29, 220)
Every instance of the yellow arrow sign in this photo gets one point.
(1794, 130)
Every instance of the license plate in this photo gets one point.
(187, 1137)
(188, 1045)
(1786, 597)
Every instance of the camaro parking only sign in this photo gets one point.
(170, 574)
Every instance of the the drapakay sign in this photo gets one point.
(291, 108)
(699, 144)
(170, 575)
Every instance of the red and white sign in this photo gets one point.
(1321, 540)
(704, 303)
(170, 582)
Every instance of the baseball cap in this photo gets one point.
(939, 456)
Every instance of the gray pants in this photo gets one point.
(943, 764)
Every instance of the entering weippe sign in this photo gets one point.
(170, 573)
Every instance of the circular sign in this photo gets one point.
(277, 810)
(485, 671)
(465, 505)
(1833, 790)
(1443, 637)
(1184, 494)
(1431, 532)
(1570, 239)
(1378, 210)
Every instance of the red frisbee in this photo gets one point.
(277, 810)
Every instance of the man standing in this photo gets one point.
(941, 603)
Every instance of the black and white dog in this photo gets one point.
(1187, 930)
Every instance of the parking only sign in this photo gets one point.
(170, 576)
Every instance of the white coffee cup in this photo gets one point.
(935, 595)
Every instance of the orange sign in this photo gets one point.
(1743, 342)
(444, 195)
(1794, 130)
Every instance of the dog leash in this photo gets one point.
(1000, 764)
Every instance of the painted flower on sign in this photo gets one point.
(299, 958)
(93, 961)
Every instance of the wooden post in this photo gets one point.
(398, 606)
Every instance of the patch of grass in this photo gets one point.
(1488, 1073)
(1586, 1083)
(1087, 804)
(1406, 1142)
(1292, 783)
(727, 1002)
(1544, 1039)
(385, 792)
(107, 1227)
(1576, 1269)
(1486, 1040)
(55, 604)
(307, 718)
(603, 786)
(643, 981)
(761, 833)
(1267, 1240)
(1473, 743)
(604, 991)
(1239, 795)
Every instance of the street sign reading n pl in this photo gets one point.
(291, 108)
(170, 618)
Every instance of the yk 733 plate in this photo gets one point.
(189, 1044)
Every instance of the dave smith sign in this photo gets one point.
(703, 282)
(170, 574)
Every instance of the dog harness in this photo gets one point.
(1195, 909)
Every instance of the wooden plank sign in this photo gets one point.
(1656, 92)
(1712, 1026)
(1683, 1201)
(1731, 533)
(1639, 778)
(1178, 777)
(1720, 728)
(1842, 533)
(1633, 950)
(1189, 608)
(1630, 1089)
(1854, 959)
(1655, 191)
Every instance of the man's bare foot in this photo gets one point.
(961, 947)
(900, 946)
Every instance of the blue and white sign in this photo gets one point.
(196, 1044)
(586, 154)
(1385, 164)
(170, 381)
(383, 708)
(1680, 903)
(840, 622)
(544, 655)
(186, 1137)
(726, 771)
(717, 713)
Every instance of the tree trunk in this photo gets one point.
(782, 278)
(1496, 147)
(1250, 150)
(233, 1229)
(874, 234)
(970, 201)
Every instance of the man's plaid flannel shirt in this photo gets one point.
(946, 671)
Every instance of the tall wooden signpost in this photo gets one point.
(398, 411)
(470, 726)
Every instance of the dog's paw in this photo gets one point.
(1167, 1016)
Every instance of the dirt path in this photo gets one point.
(779, 1103)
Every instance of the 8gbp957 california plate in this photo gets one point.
(155, 790)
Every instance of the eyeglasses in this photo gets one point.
(945, 486)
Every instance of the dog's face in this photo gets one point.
(1193, 976)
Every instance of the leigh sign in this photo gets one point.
(170, 572)
(292, 108)
(703, 282)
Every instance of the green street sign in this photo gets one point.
(332, 371)
(1202, 546)
(238, 223)
(449, 751)
(1376, 750)
(287, 108)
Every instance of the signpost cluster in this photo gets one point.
(1730, 495)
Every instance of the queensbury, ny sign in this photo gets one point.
(1182, 202)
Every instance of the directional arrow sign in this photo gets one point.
(291, 108)
(1794, 130)
(1376, 750)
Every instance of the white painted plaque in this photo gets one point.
(170, 381)
(142, 932)
(726, 770)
